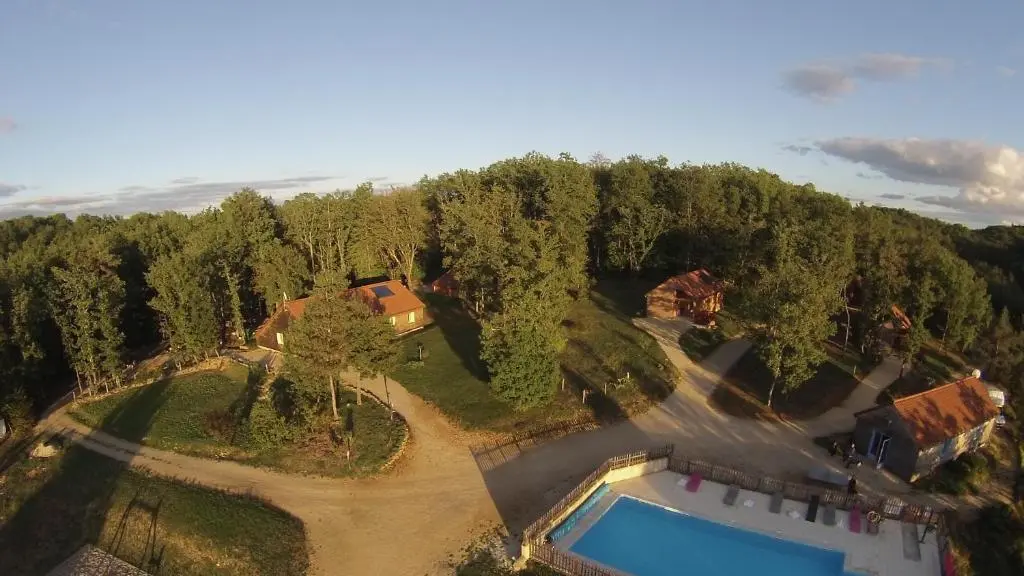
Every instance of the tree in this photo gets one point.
(395, 227)
(186, 284)
(370, 339)
(88, 299)
(316, 343)
(1001, 348)
(633, 221)
(791, 305)
(523, 365)
(281, 274)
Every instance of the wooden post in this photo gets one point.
(563, 384)
(584, 395)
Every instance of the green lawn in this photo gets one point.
(177, 413)
(210, 414)
(934, 367)
(602, 347)
(699, 342)
(312, 448)
(744, 390)
(50, 508)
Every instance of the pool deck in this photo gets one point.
(881, 554)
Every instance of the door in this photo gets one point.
(883, 449)
(873, 444)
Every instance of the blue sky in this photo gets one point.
(122, 105)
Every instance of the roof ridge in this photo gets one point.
(930, 390)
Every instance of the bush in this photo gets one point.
(220, 423)
(958, 477)
(265, 429)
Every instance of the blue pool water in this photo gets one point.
(647, 540)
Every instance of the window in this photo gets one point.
(280, 339)
(412, 317)
(394, 320)
(948, 448)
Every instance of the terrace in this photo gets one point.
(772, 516)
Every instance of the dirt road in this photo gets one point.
(406, 522)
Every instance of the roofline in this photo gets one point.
(930, 390)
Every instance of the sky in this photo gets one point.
(118, 106)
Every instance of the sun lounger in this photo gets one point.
(693, 484)
(812, 509)
(855, 519)
(776, 506)
(730, 496)
(829, 517)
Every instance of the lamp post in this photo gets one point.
(387, 396)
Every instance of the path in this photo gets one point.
(407, 522)
(410, 521)
(841, 418)
(526, 486)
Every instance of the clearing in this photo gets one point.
(744, 389)
(934, 366)
(211, 414)
(623, 369)
(50, 507)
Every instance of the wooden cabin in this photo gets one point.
(696, 295)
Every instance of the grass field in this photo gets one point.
(311, 448)
(699, 342)
(744, 390)
(208, 415)
(602, 347)
(174, 414)
(934, 367)
(50, 508)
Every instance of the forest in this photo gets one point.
(81, 300)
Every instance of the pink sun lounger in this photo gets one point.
(693, 484)
(855, 519)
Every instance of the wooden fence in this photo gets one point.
(538, 529)
(535, 435)
(572, 565)
(888, 507)
(566, 563)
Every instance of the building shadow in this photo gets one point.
(77, 490)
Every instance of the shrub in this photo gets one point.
(265, 428)
(220, 423)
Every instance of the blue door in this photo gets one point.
(873, 444)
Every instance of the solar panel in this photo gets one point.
(382, 291)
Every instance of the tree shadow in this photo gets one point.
(624, 296)
(460, 331)
(61, 504)
(604, 408)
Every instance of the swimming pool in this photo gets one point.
(643, 539)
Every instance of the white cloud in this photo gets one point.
(989, 178)
(1005, 71)
(7, 124)
(827, 81)
(192, 196)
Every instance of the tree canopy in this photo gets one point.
(523, 237)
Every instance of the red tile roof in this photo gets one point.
(901, 317)
(696, 284)
(401, 299)
(945, 412)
